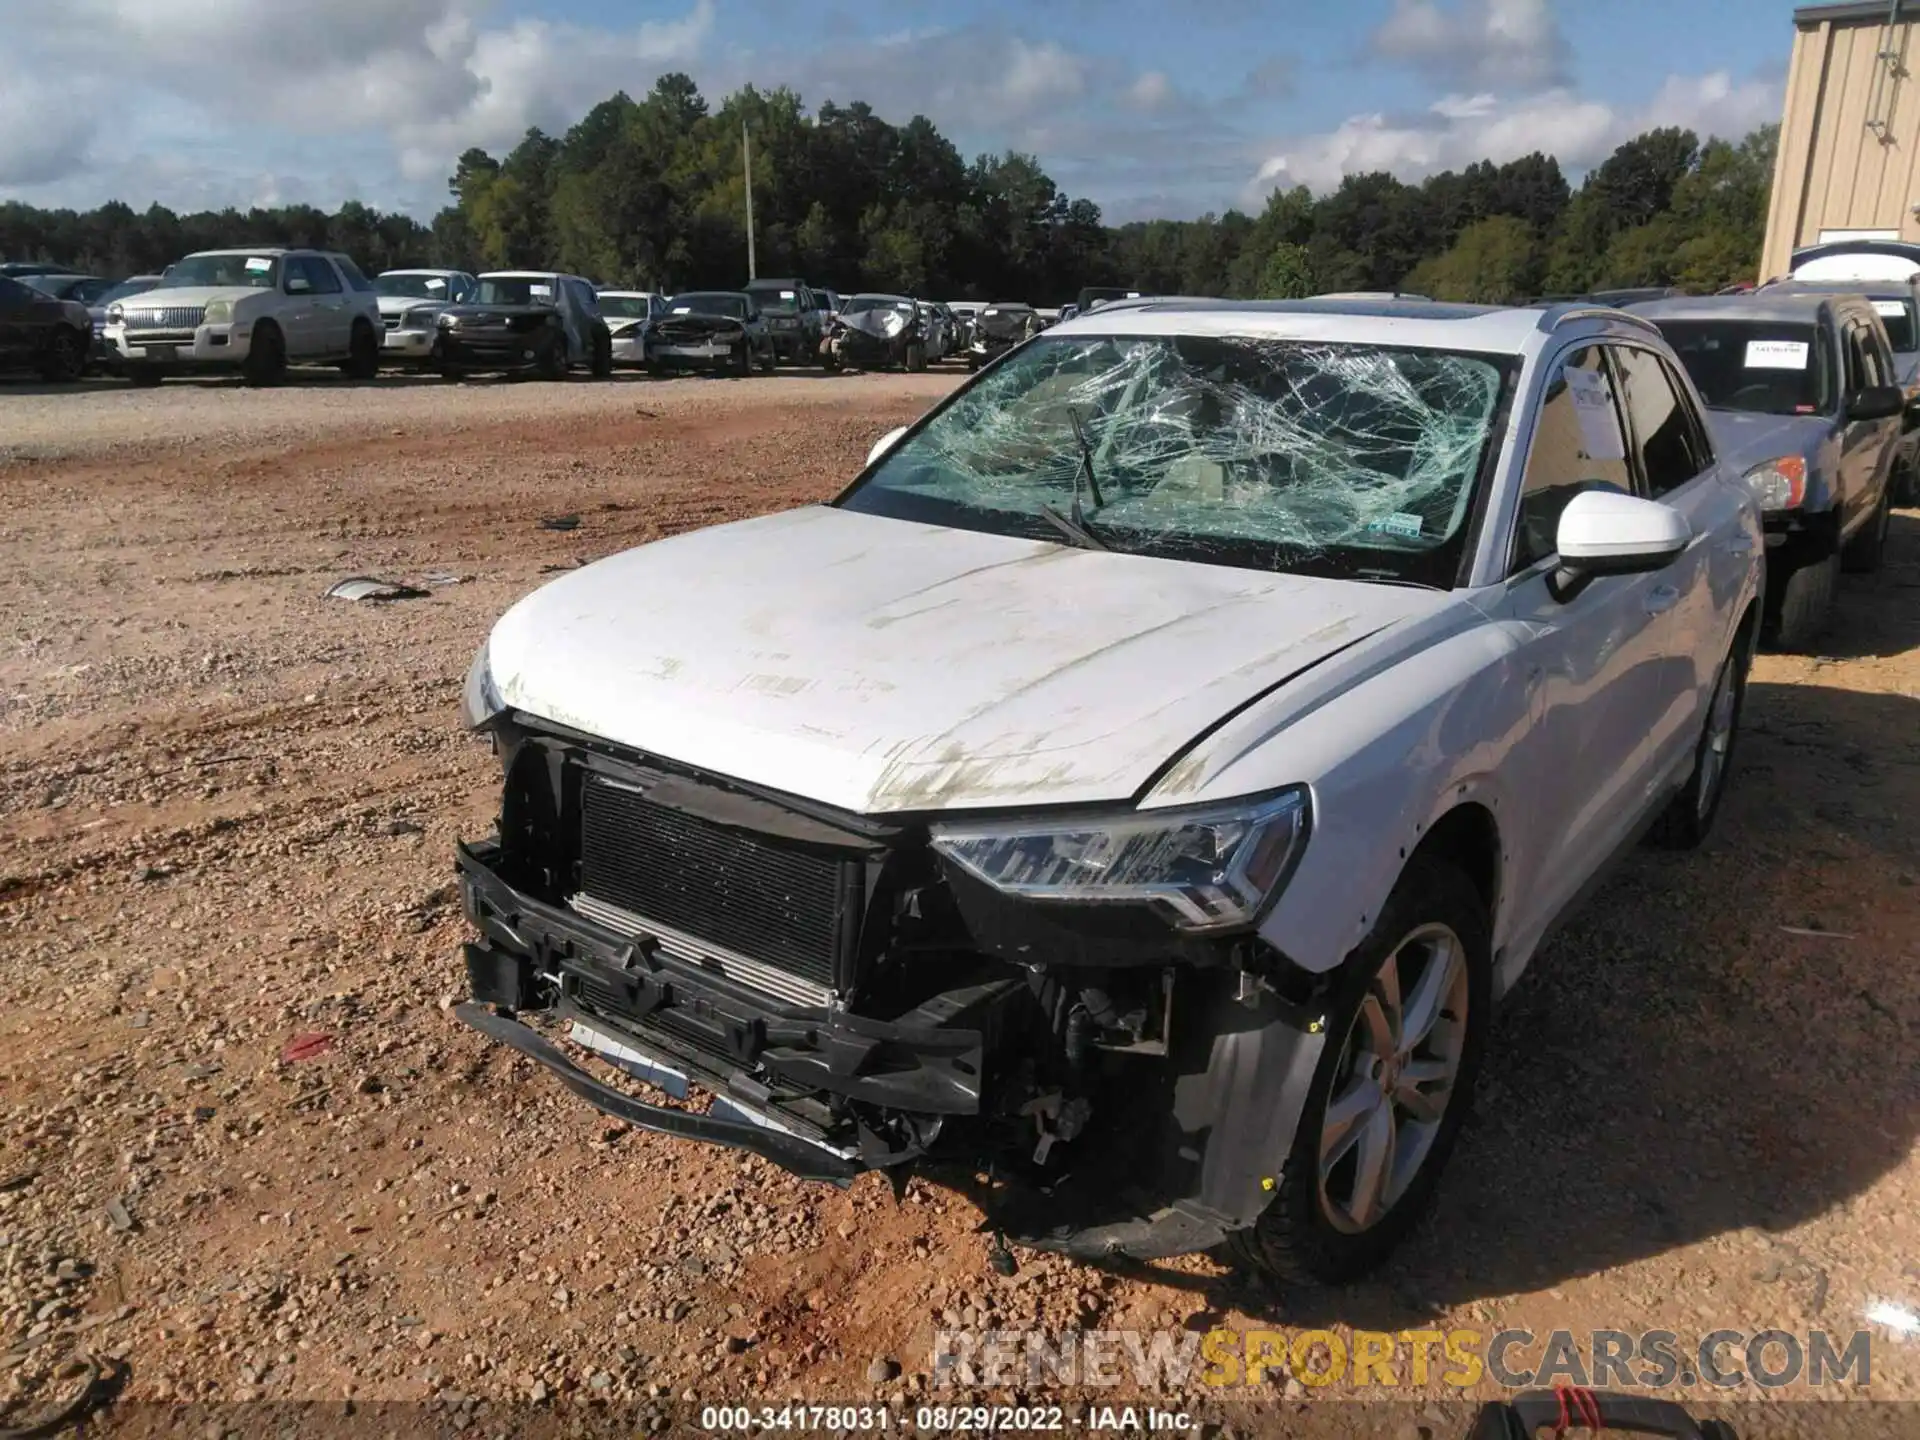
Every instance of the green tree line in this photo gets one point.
(651, 192)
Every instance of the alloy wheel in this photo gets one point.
(1399, 1063)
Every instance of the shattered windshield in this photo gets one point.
(860, 304)
(1354, 460)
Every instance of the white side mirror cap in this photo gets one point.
(885, 443)
(1603, 532)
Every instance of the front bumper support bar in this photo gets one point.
(808, 1161)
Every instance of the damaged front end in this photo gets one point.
(1080, 1012)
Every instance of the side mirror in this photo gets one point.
(1876, 402)
(885, 443)
(1603, 532)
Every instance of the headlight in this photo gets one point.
(116, 313)
(1206, 869)
(480, 703)
(219, 312)
(1779, 483)
(446, 321)
(418, 318)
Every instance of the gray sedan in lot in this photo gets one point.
(1804, 400)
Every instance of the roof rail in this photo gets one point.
(1555, 315)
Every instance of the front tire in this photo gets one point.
(916, 358)
(363, 354)
(1405, 1034)
(1863, 553)
(266, 362)
(602, 354)
(66, 357)
(1806, 602)
(1688, 818)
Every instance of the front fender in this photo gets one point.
(1386, 753)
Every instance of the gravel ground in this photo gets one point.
(227, 809)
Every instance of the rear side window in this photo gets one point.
(1578, 444)
(1898, 317)
(1670, 451)
(355, 280)
(310, 275)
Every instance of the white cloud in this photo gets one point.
(1150, 92)
(428, 77)
(1504, 43)
(1458, 130)
(958, 78)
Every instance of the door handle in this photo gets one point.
(1662, 598)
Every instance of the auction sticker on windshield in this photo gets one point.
(257, 264)
(1777, 354)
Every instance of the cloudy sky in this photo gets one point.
(1150, 107)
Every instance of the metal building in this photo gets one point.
(1849, 161)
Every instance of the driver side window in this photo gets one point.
(1578, 444)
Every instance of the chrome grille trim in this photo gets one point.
(166, 317)
(708, 956)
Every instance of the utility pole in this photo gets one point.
(746, 151)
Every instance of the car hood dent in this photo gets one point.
(882, 666)
(1747, 438)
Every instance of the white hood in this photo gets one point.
(879, 665)
(190, 295)
(400, 304)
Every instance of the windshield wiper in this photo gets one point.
(1086, 469)
(1387, 577)
(1076, 527)
(1074, 530)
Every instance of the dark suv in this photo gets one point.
(1804, 399)
(793, 318)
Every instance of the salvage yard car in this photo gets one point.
(998, 328)
(1804, 398)
(525, 320)
(1141, 781)
(1896, 300)
(630, 315)
(51, 337)
(256, 311)
(792, 316)
(877, 332)
(410, 306)
(711, 330)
